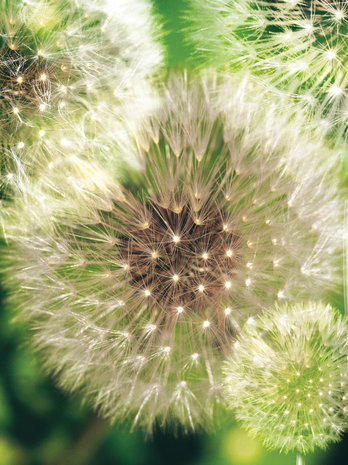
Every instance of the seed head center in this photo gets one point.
(181, 263)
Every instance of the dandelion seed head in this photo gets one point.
(50, 49)
(296, 43)
(288, 380)
(77, 238)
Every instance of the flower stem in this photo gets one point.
(85, 445)
(299, 460)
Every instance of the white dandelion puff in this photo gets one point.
(298, 48)
(70, 68)
(188, 264)
(287, 379)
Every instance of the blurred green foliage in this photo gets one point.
(40, 425)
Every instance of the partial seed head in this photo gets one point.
(286, 45)
(273, 378)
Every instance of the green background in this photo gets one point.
(40, 425)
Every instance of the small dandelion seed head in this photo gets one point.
(73, 58)
(314, 336)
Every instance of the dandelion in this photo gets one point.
(135, 294)
(287, 378)
(294, 47)
(66, 65)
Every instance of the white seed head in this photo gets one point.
(73, 60)
(77, 247)
(274, 374)
(298, 41)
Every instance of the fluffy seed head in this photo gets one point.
(287, 378)
(296, 47)
(79, 64)
(39, 60)
(137, 293)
